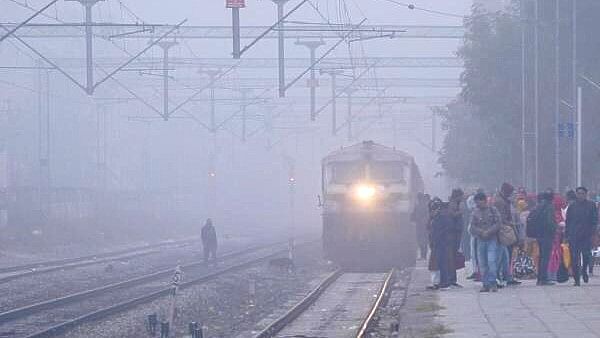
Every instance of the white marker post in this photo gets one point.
(177, 278)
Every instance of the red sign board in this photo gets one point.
(235, 3)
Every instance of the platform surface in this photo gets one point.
(527, 310)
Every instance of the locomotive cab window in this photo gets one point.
(388, 172)
(346, 172)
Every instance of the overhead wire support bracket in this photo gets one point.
(346, 88)
(152, 44)
(293, 82)
(271, 28)
(90, 91)
(12, 31)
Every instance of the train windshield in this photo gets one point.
(346, 172)
(388, 172)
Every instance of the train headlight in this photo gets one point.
(365, 192)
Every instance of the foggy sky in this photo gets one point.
(252, 177)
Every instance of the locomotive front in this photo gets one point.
(369, 192)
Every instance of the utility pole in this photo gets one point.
(43, 104)
(575, 91)
(235, 6)
(281, 45)
(334, 74)
(557, 98)
(349, 113)
(313, 84)
(433, 132)
(524, 19)
(244, 107)
(89, 43)
(536, 101)
(579, 136)
(101, 145)
(166, 45)
(212, 165)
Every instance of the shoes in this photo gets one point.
(484, 289)
(499, 286)
(473, 275)
(494, 288)
(577, 283)
(586, 278)
(545, 283)
(513, 282)
(456, 286)
(433, 287)
(444, 288)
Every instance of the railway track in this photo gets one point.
(342, 305)
(19, 271)
(55, 316)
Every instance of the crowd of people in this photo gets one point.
(508, 236)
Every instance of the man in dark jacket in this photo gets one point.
(209, 241)
(582, 219)
(545, 210)
(442, 229)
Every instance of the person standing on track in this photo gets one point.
(209, 241)
(485, 224)
(582, 219)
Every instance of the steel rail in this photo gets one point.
(72, 298)
(276, 326)
(381, 297)
(111, 310)
(38, 265)
(76, 265)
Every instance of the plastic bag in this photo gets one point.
(555, 260)
(566, 255)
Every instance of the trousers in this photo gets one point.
(209, 252)
(487, 253)
(581, 252)
(545, 244)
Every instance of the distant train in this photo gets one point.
(369, 192)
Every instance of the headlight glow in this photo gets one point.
(365, 192)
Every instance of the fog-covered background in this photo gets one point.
(108, 166)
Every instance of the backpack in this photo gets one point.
(535, 225)
(524, 266)
(507, 235)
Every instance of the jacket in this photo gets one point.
(209, 236)
(582, 219)
(503, 206)
(485, 223)
(548, 219)
(442, 226)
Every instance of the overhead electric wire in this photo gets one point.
(427, 10)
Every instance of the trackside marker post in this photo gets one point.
(177, 278)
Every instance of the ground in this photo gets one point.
(522, 311)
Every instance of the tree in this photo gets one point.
(483, 125)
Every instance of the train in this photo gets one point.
(369, 191)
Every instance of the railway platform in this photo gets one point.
(526, 310)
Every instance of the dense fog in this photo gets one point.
(109, 166)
